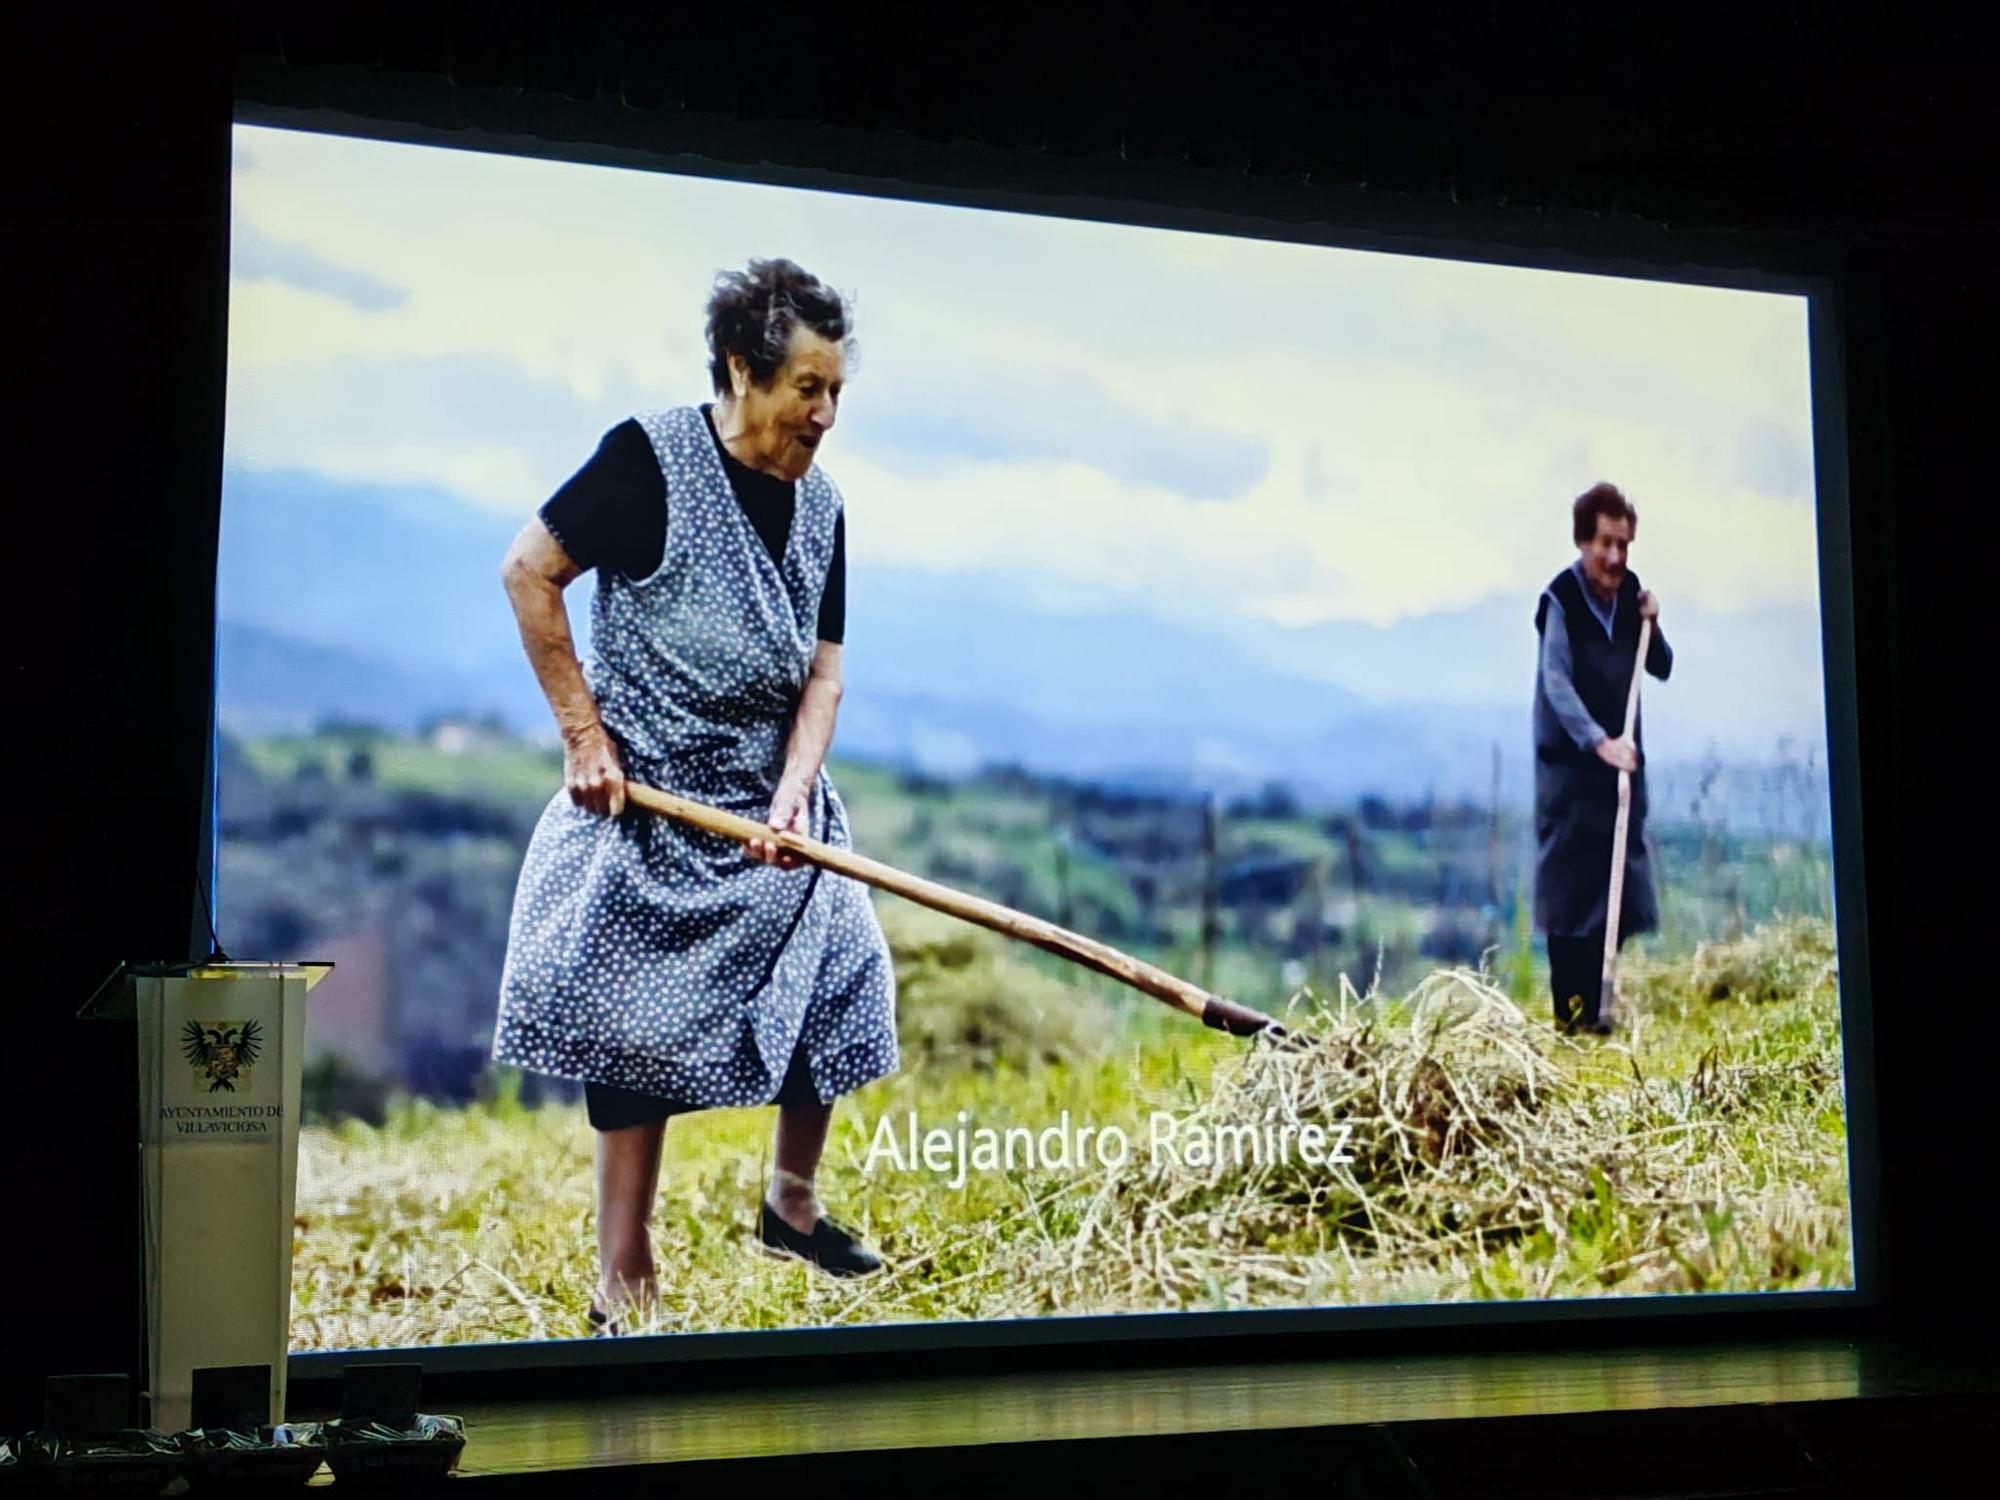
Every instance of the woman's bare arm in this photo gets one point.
(535, 572)
(812, 724)
(805, 751)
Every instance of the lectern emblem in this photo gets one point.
(220, 1052)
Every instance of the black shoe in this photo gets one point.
(603, 1326)
(829, 1247)
(1600, 1028)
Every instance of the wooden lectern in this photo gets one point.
(221, 1052)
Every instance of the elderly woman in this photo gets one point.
(1588, 623)
(667, 968)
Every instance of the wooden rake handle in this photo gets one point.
(1614, 903)
(1190, 999)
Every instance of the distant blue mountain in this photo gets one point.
(1744, 681)
(1396, 754)
(408, 573)
(268, 683)
(385, 604)
(271, 684)
(992, 639)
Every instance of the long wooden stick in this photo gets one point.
(1607, 994)
(1191, 999)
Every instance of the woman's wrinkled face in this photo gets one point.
(1604, 553)
(786, 421)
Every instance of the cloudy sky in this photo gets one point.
(1260, 439)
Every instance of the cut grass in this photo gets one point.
(1703, 1149)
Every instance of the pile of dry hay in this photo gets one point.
(1450, 1123)
(1777, 962)
(1467, 1131)
(964, 1002)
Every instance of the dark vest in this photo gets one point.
(1600, 666)
(1576, 794)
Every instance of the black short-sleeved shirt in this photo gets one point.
(612, 513)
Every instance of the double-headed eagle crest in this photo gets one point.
(221, 1051)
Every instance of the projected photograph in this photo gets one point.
(818, 730)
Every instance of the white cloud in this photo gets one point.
(1441, 496)
(1426, 422)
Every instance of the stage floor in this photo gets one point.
(519, 1439)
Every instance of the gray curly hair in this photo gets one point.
(753, 312)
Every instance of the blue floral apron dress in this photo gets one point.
(652, 956)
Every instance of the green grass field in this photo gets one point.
(1701, 1149)
(504, 773)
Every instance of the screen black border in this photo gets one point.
(1574, 243)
